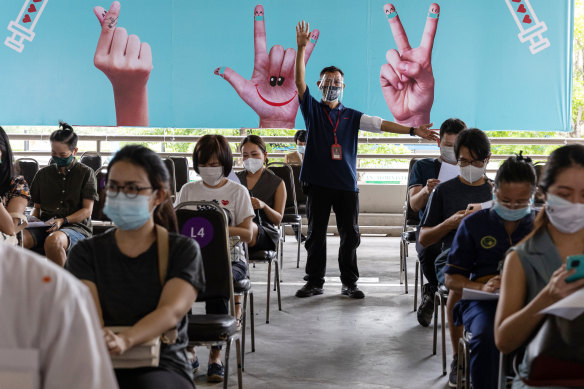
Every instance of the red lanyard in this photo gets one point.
(331, 122)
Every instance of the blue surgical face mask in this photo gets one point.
(301, 149)
(62, 162)
(510, 214)
(127, 214)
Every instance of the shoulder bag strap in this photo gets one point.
(162, 238)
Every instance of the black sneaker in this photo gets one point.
(215, 372)
(452, 376)
(426, 308)
(309, 290)
(352, 291)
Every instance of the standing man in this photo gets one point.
(329, 170)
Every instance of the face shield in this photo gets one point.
(331, 87)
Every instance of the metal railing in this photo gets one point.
(163, 139)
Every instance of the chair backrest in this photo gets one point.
(170, 167)
(300, 196)
(181, 171)
(411, 218)
(91, 160)
(27, 167)
(206, 223)
(97, 213)
(284, 171)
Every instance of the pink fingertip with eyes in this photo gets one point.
(389, 8)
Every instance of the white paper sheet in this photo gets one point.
(569, 307)
(448, 172)
(473, 294)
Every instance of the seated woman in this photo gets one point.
(120, 268)
(268, 193)
(534, 275)
(14, 192)
(213, 160)
(479, 246)
(296, 157)
(63, 196)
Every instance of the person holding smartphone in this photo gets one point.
(480, 244)
(535, 274)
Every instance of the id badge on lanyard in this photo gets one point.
(336, 149)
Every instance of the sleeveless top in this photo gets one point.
(264, 189)
(539, 258)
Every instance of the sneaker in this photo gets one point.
(452, 376)
(426, 308)
(352, 291)
(194, 362)
(309, 290)
(215, 372)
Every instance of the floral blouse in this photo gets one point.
(18, 188)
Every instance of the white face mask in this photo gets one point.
(211, 175)
(447, 154)
(566, 216)
(301, 149)
(252, 165)
(472, 173)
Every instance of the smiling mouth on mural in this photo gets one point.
(272, 103)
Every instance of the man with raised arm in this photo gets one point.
(329, 170)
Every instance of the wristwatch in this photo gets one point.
(412, 131)
(65, 220)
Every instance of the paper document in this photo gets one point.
(448, 172)
(473, 294)
(569, 307)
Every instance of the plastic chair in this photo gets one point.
(27, 167)
(93, 160)
(171, 171)
(268, 257)
(440, 300)
(410, 223)
(463, 365)
(181, 170)
(208, 225)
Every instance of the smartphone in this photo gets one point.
(575, 262)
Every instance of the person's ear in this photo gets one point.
(159, 198)
(75, 151)
(318, 84)
(344, 85)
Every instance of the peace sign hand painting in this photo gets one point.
(271, 92)
(406, 79)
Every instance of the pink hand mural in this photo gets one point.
(127, 63)
(406, 79)
(271, 92)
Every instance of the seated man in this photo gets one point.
(449, 201)
(296, 157)
(423, 180)
(474, 260)
(47, 309)
(63, 195)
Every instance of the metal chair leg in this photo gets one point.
(405, 268)
(277, 284)
(268, 298)
(243, 323)
(226, 364)
(443, 325)
(252, 322)
(299, 236)
(401, 261)
(239, 364)
(434, 339)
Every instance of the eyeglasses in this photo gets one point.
(131, 191)
(475, 162)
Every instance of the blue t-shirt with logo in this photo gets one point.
(481, 243)
(318, 167)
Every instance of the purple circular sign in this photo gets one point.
(199, 229)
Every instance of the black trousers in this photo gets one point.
(427, 255)
(345, 205)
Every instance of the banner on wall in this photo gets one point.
(230, 64)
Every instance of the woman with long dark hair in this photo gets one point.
(534, 275)
(121, 269)
(14, 192)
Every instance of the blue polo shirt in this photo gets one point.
(481, 243)
(318, 167)
(422, 171)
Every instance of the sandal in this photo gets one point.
(240, 319)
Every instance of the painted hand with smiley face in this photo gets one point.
(407, 80)
(271, 92)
